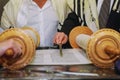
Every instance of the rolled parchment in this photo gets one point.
(102, 47)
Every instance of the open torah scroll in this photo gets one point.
(52, 57)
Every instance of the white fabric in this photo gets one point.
(90, 11)
(11, 14)
(44, 20)
(11, 9)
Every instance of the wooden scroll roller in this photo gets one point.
(28, 38)
(102, 47)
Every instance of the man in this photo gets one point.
(42, 15)
(92, 10)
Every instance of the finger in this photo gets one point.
(55, 38)
(17, 52)
(58, 40)
(64, 41)
(63, 38)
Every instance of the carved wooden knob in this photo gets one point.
(102, 47)
(112, 50)
(9, 52)
(28, 43)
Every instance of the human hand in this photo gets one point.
(60, 38)
(10, 44)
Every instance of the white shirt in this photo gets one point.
(100, 4)
(44, 20)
